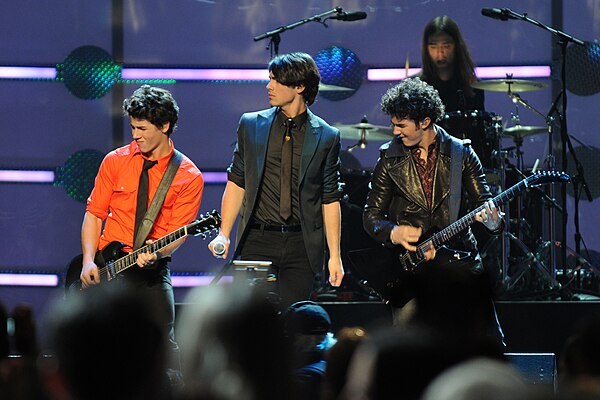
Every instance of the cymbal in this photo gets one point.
(506, 85)
(371, 132)
(323, 87)
(522, 131)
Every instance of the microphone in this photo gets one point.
(502, 14)
(350, 16)
(219, 248)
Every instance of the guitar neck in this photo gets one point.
(130, 259)
(443, 236)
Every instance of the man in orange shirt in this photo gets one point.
(153, 114)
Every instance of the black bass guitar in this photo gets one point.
(112, 260)
(386, 268)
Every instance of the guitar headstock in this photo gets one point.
(542, 177)
(206, 223)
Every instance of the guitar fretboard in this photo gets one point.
(441, 237)
(198, 227)
(131, 258)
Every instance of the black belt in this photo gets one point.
(277, 228)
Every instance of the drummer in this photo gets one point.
(447, 65)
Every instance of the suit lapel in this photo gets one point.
(311, 142)
(405, 174)
(261, 137)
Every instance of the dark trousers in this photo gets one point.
(291, 266)
(157, 284)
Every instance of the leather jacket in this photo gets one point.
(396, 196)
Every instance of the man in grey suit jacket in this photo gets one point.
(288, 198)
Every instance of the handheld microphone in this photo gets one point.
(502, 14)
(219, 248)
(350, 16)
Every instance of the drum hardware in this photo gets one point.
(549, 163)
(482, 128)
(520, 131)
(323, 87)
(508, 85)
(509, 241)
(363, 132)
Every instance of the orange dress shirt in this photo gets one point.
(114, 196)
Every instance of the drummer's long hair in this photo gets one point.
(464, 68)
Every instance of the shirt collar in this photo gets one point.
(299, 120)
(163, 161)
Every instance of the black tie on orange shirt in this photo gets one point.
(142, 196)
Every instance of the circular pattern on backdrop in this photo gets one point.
(78, 174)
(583, 69)
(339, 67)
(89, 72)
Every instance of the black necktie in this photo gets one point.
(285, 199)
(142, 196)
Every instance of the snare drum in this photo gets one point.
(483, 128)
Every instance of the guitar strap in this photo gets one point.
(456, 158)
(157, 201)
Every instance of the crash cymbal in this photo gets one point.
(522, 131)
(508, 85)
(371, 132)
(323, 87)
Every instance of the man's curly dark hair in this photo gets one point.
(413, 99)
(153, 104)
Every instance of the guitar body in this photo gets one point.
(382, 269)
(112, 260)
(394, 273)
(113, 251)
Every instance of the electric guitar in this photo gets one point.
(112, 260)
(388, 267)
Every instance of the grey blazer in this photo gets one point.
(319, 175)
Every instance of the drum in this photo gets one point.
(483, 128)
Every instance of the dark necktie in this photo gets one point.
(142, 197)
(285, 198)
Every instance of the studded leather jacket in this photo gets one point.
(396, 196)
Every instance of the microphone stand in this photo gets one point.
(563, 41)
(275, 38)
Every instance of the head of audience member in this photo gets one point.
(444, 53)
(155, 105)
(107, 344)
(338, 359)
(308, 327)
(479, 378)
(579, 362)
(456, 299)
(297, 69)
(232, 345)
(399, 363)
(25, 331)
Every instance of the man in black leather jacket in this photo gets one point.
(410, 192)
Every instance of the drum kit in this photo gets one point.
(519, 269)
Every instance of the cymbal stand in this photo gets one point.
(501, 155)
(550, 164)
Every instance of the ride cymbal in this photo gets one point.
(323, 87)
(522, 131)
(508, 85)
(365, 130)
